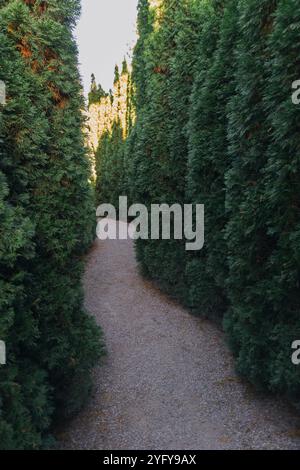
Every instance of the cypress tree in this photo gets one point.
(188, 24)
(167, 51)
(110, 155)
(117, 74)
(110, 165)
(96, 92)
(208, 158)
(249, 241)
(152, 152)
(138, 96)
(124, 67)
(145, 27)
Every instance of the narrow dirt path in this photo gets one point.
(168, 381)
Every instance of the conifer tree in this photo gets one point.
(151, 159)
(117, 74)
(124, 67)
(139, 77)
(93, 82)
(249, 241)
(157, 143)
(160, 159)
(110, 165)
(208, 158)
(110, 155)
(96, 92)
(138, 96)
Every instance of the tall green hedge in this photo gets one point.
(154, 171)
(262, 190)
(46, 210)
(163, 76)
(215, 125)
(110, 154)
(110, 166)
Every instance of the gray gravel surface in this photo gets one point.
(168, 382)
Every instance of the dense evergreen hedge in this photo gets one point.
(215, 124)
(116, 113)
(46, 211)
(262, 189)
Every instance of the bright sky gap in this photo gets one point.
(105, 34)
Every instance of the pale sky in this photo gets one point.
(105, 34)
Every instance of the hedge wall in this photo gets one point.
(215, 124)
(46, 210)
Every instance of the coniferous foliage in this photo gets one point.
(262, 192)
(208, 159)
(249, 243)
(46, 208)
(152, 147)
(281, 198)
(168, 42)
(138, 95)
(110, 165)
(96, 92)
(115, 118)
(215, 125)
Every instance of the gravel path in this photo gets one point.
(168, 381)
